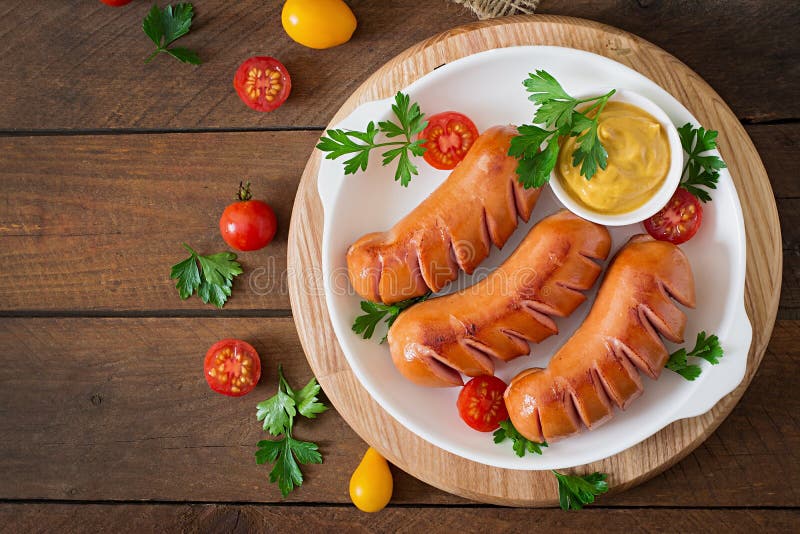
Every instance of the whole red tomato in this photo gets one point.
(116, 3)
(248, 224)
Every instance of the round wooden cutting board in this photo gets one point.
(453, 473)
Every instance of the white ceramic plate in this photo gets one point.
(488, 88)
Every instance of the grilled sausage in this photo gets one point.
(597, 367)
(433, 341)
(453, 228)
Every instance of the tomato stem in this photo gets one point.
(244, 193)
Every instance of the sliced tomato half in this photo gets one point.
(263, 83)
(678, 221)
(449, 136)
(481, 405)
(232, 367)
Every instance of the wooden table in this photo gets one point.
(109, 164)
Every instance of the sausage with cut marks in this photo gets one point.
(454, 228)
(597, 367)
(433, 342)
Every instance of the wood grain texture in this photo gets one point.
(135, 518)
(80, 65)
(762, 287)
(117, 409)
(95, 222)
(78, 215)
(104, 48)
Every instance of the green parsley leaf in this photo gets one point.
(215, 294)
(705, 347)
(307, 401)
(410, 122)
(700, 171)
(677, 362)
(342, 142)
(278, 413)
(212, 281)
(576, 491)
(164, 26)
(535, 171)
(528, 142)
(286, 453)
(543, 87)
(521, 444)
(188, 276)
(590, 152)
(184, 54)
(558, 112)
(374, 312)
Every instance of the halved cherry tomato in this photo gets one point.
(232, 367)
(678, 221)
(263, 83)
(116, 3)
(248, 224)
(481, 405)
(450, 135)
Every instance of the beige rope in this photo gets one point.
(487, 9)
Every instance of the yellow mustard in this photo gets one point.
(638, 161)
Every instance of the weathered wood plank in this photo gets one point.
(93, 223)
(117, 409)
(704, 35)
(104, 49)
(90, 73)
(252, 518)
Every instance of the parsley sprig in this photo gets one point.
(558, 114)
(374, 312)
(357, 145)
(521, 443)
(277, 414)
(576, 491)
(700, 170)
(164, 26)
(212, 280)
(706, 347)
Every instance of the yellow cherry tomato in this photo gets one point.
(318, 23)
(371, 484)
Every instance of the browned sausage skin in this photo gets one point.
(434, 341)
(597, 367)
(454, 228)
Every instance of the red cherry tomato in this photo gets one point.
(450, 135)
(248, 224)
(481, 405)
(678, 221)
(263, 83)
(232, 367)
(116, 3)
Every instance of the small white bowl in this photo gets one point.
(664, 193)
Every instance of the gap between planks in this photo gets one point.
(312, 128)
(326, 504)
